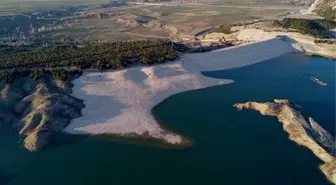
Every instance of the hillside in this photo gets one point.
(38, 108)
(324, 8)
(292, 2)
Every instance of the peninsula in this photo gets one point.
(133, 92)
(306, 133)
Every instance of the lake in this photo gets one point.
(229, 147)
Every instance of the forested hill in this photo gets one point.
(97, 56)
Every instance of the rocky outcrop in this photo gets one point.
(306, 133)
(154, 24)
(37, 109)
(321, 5)
(128, 23)
(157, 25)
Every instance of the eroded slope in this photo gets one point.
(37, 109)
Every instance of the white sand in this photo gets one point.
(299, 42)
(120, 102)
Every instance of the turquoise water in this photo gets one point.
(229, 147)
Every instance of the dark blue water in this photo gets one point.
(229, 147)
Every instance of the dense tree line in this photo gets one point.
(317, 28)
(97, 56)
(10, 49)
(8, 77)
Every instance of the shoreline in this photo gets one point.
(120, 102)
(139, 112)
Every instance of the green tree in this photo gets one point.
(59, 74)
(7, 77)
(36, 73)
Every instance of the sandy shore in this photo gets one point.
(299, 42)
(120, 102)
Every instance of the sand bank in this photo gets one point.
(299, 42)
(120, 102)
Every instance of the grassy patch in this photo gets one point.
(168, 10)
(226, 29)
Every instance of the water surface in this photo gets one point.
(230, 147)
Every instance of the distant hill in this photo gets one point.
(291, 2)
(324, 8)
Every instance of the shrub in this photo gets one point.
(226, 29)
(322, 41)
(7, 77)
(59, 74)
(36, 73)
(326, 24)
